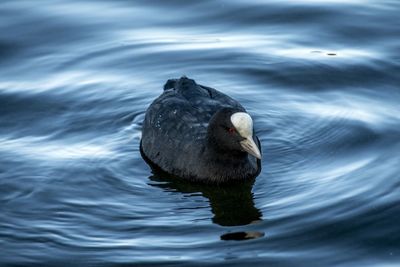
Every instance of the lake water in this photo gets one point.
(320, 78)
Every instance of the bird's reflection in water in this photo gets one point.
(232, 205)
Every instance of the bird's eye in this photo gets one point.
(231, 130)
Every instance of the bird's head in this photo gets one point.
(232, 130)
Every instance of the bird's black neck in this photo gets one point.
(217, 152)
(227, 165)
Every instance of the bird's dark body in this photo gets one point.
(175, 139)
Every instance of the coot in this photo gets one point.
(198, 133)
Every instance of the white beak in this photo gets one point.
(250, 147)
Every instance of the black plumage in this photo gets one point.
(187, 132)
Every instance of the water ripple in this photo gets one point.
(320, 79)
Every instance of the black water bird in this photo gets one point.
(198, 133)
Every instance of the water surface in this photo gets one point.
(320, 78)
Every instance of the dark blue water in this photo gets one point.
(320, 78)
